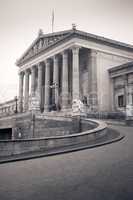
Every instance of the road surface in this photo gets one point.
(102, 173)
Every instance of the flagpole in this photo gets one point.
(52, 20)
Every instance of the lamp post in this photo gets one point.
(16, 105)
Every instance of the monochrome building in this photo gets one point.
(63, 66)
(62, 72)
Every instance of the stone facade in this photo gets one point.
(69, 65)
(122, 81)
(61, 67)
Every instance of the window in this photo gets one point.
(121, 101)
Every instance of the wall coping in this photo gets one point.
(101, 126)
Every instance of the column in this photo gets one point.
(56, 80)
(130, 95)
(39, 82)
(26, 96)
(21, 80)
(65, 93)
(47, 85)
(125, 78)
(75, 72)
(112, 94)
(33, 74)
(93, 80)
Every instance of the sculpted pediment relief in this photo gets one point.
(40, 44)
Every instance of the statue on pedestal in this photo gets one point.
(129, 111)
(78, 108)
(34, 103)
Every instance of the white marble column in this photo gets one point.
(26, 95)
(47, 86)
(93, 58)
(130, 96)
(93, 80)
(56, 79)
(65, 93)
(33, 73)
(125, 78)
(39, 82)
(75, 72)
(21, 81)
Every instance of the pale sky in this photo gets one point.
(20, 21)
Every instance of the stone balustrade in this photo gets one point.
(8, 108)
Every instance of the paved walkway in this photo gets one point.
(102, 173)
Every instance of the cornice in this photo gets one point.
(68, 35)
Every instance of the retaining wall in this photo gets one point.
(8, 147)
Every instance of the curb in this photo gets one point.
(62, 151)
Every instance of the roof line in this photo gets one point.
(83, 34)
(127, 64)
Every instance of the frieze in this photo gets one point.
(40, 45)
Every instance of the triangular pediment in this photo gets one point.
(42, 42)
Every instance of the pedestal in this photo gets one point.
(78, 108)
(34, 104)
(129, 115)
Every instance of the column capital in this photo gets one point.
(75, 49)
(56, 58)
(39, 66)
(47, 62)
(93, 53)
(33, 68)
(65, 54)
(21, 73)
(27, 71)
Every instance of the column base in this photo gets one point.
(46, 108)
(34, 104)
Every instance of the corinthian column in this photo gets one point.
(56, 79)
(93, 80)
(21, 80)
(26, 95)
(47, 85)
(65, 80)
(33, 70)
(75, 74)
(39, 82)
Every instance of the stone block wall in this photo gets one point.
(12, 147)
(50, 127)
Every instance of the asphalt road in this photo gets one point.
(102, 173)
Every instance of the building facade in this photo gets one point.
(122, 79)
(63, 66)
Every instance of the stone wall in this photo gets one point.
(106, 61)
(27, 125)
(8, 147)
(50, 127)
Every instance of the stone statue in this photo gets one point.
(129, 110)
(78, 108)
(34, 104)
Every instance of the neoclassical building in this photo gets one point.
(63, 66)
(122, 79)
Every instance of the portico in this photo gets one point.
(51, 78)
(61, 67)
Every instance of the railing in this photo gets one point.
(9, 108)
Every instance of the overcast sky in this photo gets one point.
(20, 21)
